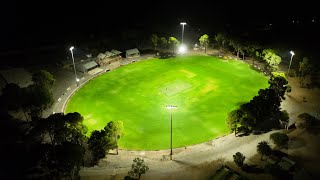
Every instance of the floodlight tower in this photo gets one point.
(171, 107)
(292, 54)
(74, 66)
(182, 23)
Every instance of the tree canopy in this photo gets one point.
(304, 67)
(154, 40)
(138, 168)
(264, 148)
(279, 139)
(271, 58)
(98, 144)
(163, 42)
(279, 83)
(173, 42)
(204, 41)
(43, 78)
(239, 158)
(114, 132)
(234, 119)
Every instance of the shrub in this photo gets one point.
(284, 116)
(279, 139)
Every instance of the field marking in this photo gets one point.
(174, 87)
(210, 85)
(188, 73)
(208, 88)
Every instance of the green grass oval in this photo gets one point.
(204, 88)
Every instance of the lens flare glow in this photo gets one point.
(182, 49)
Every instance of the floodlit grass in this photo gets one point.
(204, 88)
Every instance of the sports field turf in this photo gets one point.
(204, 88)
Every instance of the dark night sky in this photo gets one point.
(41, 23)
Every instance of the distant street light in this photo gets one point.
(74, 66)
(171, 107)
(292, 54)
(182, 23)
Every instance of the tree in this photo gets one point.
(64, 150)
(173, 42)
(98, 144)
(204, 42)
(154, 41)
(247, 122)
(138, 168)
(163, 42)
(263, 106)
(38, 98)
(221, 39)
(304, 67)
(239, 158)
(264, 148)
(114, 131)
(234, 119)
(43, 78)
(59, 129)
(68, 159)
(251, 49)
(75, 120)
(54, 127)
(271, 58)
(235, 43)
(304, 70)
(279, 83)
(279, 139)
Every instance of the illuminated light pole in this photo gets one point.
(292, 54)
(74, 66)
(182, 23)
(171, 107)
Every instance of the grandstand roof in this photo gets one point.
(132, 51)
(90, 64)
(116, 52)
(101, 56)
(108, 54)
